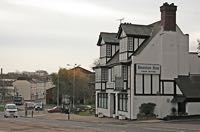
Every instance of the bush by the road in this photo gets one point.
(1, 107)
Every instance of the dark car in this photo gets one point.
(56, 109)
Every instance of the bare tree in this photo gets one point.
(95, 63)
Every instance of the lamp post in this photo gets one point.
(74, 83)
(58, 87)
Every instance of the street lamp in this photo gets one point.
(73, 92)
(58, 87)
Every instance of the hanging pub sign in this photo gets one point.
(147, 69)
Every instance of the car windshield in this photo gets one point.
(11, 107)
(55, 107)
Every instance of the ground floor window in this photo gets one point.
(123, 102)
(103, 100)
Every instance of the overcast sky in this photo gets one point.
(48, 34)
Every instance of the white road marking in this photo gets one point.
(171, 129)
(160, 129)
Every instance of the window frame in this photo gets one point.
(123, 102)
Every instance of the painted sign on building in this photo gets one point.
(147, 69)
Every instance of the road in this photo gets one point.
(24, 124)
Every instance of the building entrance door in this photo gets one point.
(181, 108)
(113, 103)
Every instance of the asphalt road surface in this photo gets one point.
(23, 124)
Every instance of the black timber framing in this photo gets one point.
(192, 100)
(151, 86)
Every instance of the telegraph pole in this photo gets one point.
(1, 84)
(2, 90)
(58, 88)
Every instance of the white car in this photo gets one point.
(10, 111)
(39, 106)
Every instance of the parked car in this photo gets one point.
(39, 106)
(56, 109)
(10, 110)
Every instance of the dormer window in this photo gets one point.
(108, 46)
(108, 50)
(130, 44)
(138, 42)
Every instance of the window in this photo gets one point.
(104, 74)
(102, 51)
(130, 44)
(108, 50)
(103, 100)
(138, 42)
(123, 45)
(112, 74)
(124, 72)
(98, 74)
(123, 102)
(115, 72)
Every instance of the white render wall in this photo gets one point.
(162, 108)
(175, 47)
(193, 108)
(23, 87)
(194, 62)
(170, 51)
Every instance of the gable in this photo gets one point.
(102, 42)
(123, 34)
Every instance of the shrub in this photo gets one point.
(147, 108)
(1, 108)
(173, 110)
(146, 111)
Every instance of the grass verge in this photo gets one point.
(85, 113)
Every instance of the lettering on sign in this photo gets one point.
(147, 69)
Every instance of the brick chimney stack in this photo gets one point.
(168, 16)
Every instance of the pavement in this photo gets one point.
(74, 117)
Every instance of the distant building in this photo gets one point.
(32, 89)
(40, 73)
(23, 88)
(6, 89)
(147, 64)
(31, 86)
(84, 85)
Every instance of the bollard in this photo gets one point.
(67, 113)
(25, 113)
(68, 116)
(32, 114)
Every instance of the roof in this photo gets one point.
(135, 30)
(108, 38)
(155, 29)
(82, 69)
(178, 99)
(189, 85)
(114, 59)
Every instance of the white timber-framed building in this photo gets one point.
(147, 64)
